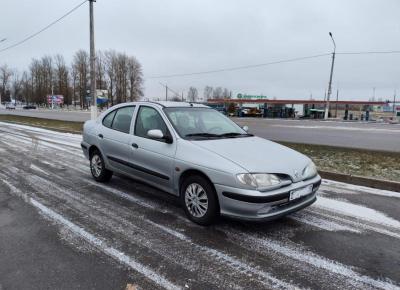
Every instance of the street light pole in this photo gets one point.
(2, 40)
(93, 107)
(330, 79)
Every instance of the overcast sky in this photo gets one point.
(183, 36)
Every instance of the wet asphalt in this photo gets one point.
(59, 229)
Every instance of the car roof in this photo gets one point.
(168, 104)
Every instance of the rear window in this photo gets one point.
(107, 121)
(119, 119)
(122, 119)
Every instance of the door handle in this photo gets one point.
(134, 145)
(101, 136)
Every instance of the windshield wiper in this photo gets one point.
(234, 134)
(202, 135)
(227, 135)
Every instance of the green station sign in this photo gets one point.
(245, 96)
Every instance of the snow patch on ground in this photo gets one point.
(357, 211)
(34, 167)
(359, 189)
(323, 224)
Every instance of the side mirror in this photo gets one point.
(155, 134)
(158, 135)
(246, 128)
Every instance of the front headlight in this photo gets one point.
(310, 171)
(258, 180)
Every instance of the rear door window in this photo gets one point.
(122, 119)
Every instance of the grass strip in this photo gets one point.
(57, 125)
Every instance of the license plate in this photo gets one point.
(294, 194)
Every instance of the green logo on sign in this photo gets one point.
(241, 96)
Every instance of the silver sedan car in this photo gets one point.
(194, 152)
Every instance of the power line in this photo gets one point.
(369, 52)
(239, 67)
(169, 89)
(272, 63)
(43, 29)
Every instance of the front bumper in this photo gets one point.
(258, 206)
(85, 149)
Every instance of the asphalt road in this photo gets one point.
(374, 136)
(59, 229)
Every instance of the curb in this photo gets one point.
(361, 180)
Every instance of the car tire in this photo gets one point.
(199, 200)
(98, 168)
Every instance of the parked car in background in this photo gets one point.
(10, 106)
(196, 153)
(29, 107)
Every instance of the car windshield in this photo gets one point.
(200, 123)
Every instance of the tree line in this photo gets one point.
(208, 93)
(117, 73)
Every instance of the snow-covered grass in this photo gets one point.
(368, 163)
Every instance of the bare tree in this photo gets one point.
(226, 94)
(208, 93)
(101, 71)
(26, 87)
(218, 93)
(192, 94)
(61, 78)
(135, 76)
(110, 62)
(81, 65)
(16, 86)
(5, 78)
(118, 73)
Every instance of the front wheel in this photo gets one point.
(199, 200)
(98, 168)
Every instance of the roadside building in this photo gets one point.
(261, 106)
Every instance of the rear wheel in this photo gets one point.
(199, 200)
(98, 168)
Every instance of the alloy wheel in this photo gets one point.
(196, 200)
(96, 165)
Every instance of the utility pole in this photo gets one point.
(394, 104)
(337, 99)
(166, 93)
(330, 78)
(93, 109)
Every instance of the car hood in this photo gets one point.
(258, 155)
